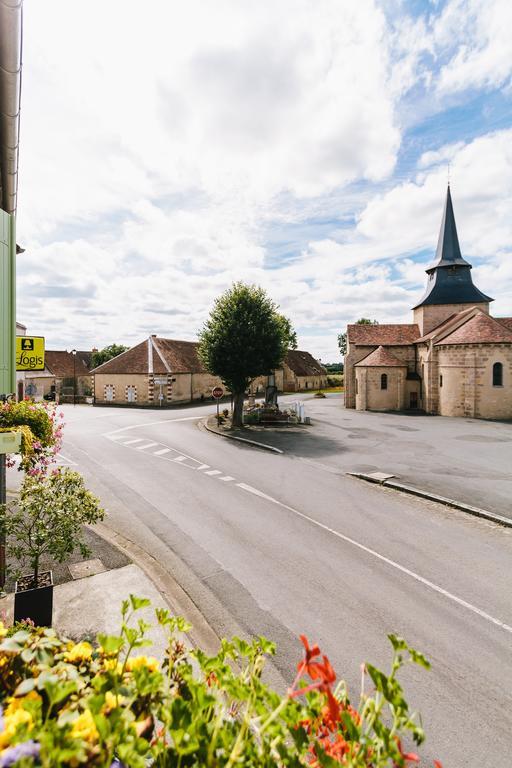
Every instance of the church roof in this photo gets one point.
(381, 358)
(506, 321)
(450, 279)
(389, 334)
(480, 329)
(442, 327)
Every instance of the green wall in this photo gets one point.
(7, 303)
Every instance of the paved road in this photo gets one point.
(286, 544)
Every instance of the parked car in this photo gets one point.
(49, 396)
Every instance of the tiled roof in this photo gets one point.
(181, 356)
(381, 358)
(164, 355)
(387, 334)
(442, 326)
(60, 363)
(506, 321)
(480, 329)
(303, 364)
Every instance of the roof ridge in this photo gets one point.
(159, 353)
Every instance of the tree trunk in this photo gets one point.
(238, 408)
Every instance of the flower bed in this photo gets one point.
(41, 426)
(67, 704)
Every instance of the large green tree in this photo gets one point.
(342, 337)
(244, 337)
(107, 353)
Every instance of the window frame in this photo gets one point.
(497, 374)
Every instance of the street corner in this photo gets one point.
(250, 435)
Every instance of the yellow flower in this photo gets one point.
(14, 716)
(137, 662)
(84, 727)
(3, 630)
(112, 702)
(79, 652)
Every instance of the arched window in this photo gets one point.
(384, 381)
(497, 375)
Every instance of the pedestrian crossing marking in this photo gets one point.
(134, 440)
(180, 458)
(148, 445)
(161, 452)
(214, 472)
(226, 478)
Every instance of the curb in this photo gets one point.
(410, 489)
(202, 635)
(264, 446)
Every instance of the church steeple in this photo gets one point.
(450, 279)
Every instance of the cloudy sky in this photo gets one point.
(169, 148)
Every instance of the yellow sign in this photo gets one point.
(30, 353)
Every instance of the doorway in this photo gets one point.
(413, 403)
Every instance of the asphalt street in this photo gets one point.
(287, 544)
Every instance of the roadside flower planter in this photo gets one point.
(98, 704)
(46, 521)
(34, 600)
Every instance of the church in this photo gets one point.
(454, 359)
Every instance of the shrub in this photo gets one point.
(69, 704)
(48, 518)
(41, 426)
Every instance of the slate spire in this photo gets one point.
(448, 248)
(449, 276)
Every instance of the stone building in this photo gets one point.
(66, 376)
(454, 359)
(159, 372)
(302, 372)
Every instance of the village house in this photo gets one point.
(302, 372)
(454, 359)
(162, 372)
(66, 376)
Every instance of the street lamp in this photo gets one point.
(73, 352)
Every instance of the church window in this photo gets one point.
(384, 381)
(497, 375)
(357, 388)
(441, 380)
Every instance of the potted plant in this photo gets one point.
(46, 521)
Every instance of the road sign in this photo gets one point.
(30, 353)
(161, 380)
(217, 392)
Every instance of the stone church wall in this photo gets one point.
(370, 396)
(432, 315)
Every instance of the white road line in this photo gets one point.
(214, 472)
(65, 459)
(203, 466)
(148, 445)
(226, 478)
(161, 452)
(134, 440)
(384, 559)
(149, 424)
(180, 458)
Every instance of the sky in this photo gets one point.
(171, 148)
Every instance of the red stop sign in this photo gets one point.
(217, 392)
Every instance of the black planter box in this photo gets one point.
(35, 604)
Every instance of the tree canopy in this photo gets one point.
(107, 353)
(244, 337)
(342, 337)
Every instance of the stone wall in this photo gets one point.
(370, 396)
(357, 352)
(467, 385)
(432, 315)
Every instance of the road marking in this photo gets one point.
(214, 472)
(180, 458)
(203, 466)
(134, 440)
(149, 424)
(226, 478)
(65, 460)
(148, 445)
(161, 452)
(384, 559)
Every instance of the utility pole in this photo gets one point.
(73, 352)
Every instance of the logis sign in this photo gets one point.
(30, 353)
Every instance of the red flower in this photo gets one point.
(311, 653)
